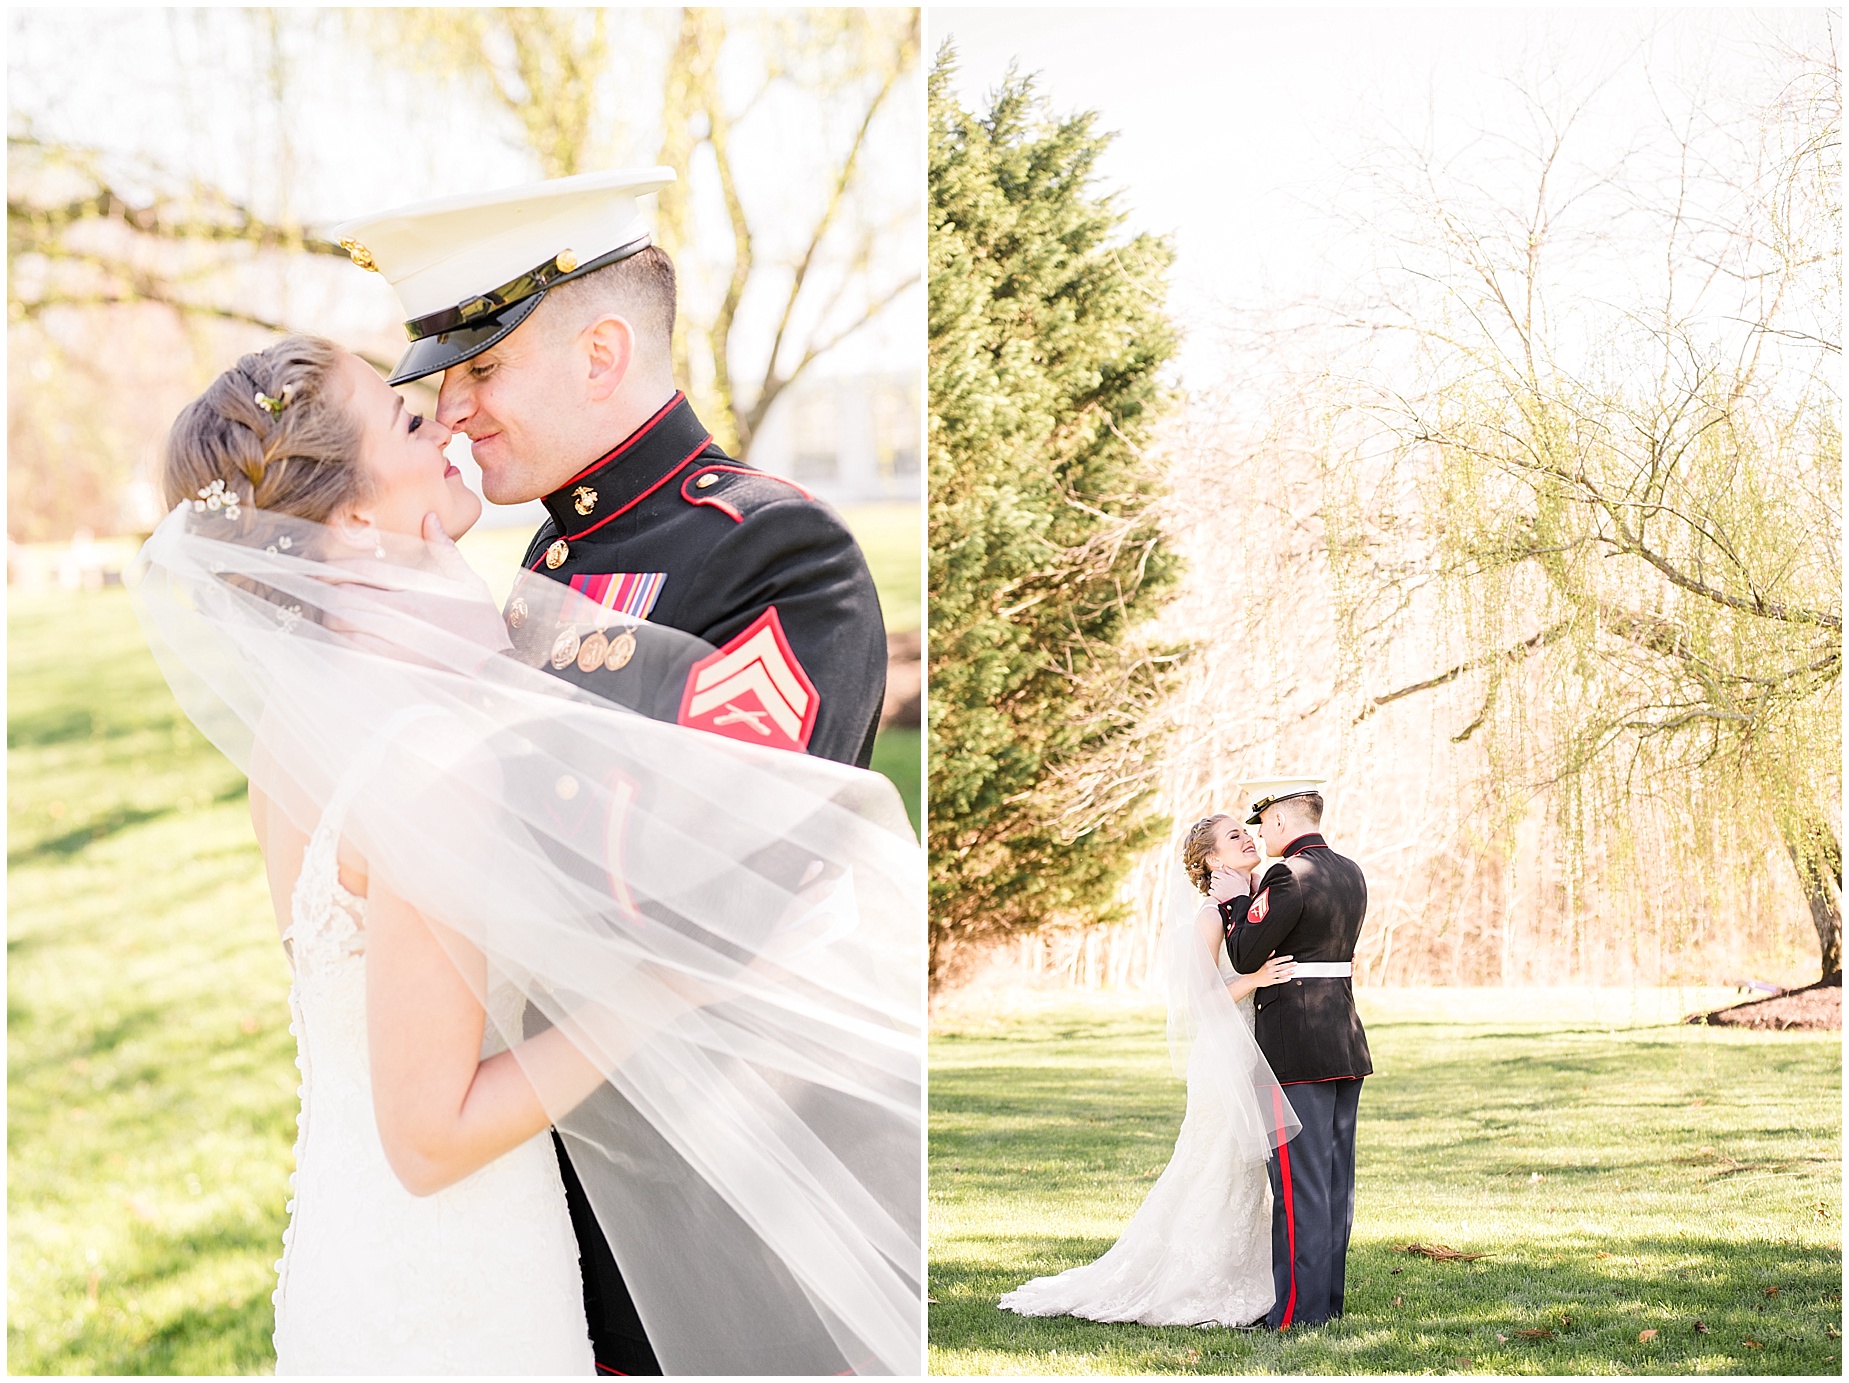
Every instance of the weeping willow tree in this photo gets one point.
(1609, 503)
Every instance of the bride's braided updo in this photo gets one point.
(1196, 846)
(295, 450)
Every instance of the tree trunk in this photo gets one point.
(1821, 876)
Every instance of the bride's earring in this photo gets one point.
(378, 544)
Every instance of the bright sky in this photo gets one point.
(1235, 125)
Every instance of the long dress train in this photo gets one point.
(1197, 1251)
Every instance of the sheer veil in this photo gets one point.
(1210, 1043)
(733, 934)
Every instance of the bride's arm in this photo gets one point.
(1274, 971)
(442, 1111)
(1278, 969)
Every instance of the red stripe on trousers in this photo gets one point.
(1290, 1214)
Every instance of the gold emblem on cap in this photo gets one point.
(591, 652)
(517, 612)
(708, 479)
(359, 254)
(556, 554)
(567, 261)
(622, 649)
(564, 648)
(584, 499)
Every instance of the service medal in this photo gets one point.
(591, 652)
(622, 649)
(556, 554)
(564, 648)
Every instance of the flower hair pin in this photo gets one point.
(274, 407)
(217, 498)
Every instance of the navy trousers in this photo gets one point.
(619, 1344)
(1313, 1203)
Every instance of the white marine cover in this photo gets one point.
(440, 253)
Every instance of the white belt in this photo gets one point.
(1324, 970)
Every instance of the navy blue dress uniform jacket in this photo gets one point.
(668, 528)
(1309, 905)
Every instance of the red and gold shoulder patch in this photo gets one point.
(753, 689)
(1260, 906)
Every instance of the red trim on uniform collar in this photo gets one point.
(628, 441)
(668, 475)
(665, 478)
(1309, 840)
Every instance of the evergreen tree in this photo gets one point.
(1046, 339)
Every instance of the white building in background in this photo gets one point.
(851, 439)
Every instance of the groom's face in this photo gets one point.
(517, 404)
(1275, 832)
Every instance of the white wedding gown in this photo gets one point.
(1197, 1251)
(480, 1278)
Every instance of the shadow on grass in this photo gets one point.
(61, 726)
(1584, 1313)
(220, 1323)
(113, 822)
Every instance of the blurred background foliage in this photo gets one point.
(170, 172)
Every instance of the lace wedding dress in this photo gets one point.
(480, 1278)
(1197, 1251)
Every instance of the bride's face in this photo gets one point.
(1232, 847)
(403, 453)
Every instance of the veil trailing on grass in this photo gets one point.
(1210, 1041)
(733, 935)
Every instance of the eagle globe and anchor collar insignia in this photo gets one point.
(620, 479)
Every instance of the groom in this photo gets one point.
(550, 313)
(1309, 904)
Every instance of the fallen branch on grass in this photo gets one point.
(1442, 1254)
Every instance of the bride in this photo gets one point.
(510, 905)
(1198, 1250)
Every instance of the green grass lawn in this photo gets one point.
(151, 1077)
(1622, 1180)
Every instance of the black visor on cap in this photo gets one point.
(1258, 807)
(429, 354)
(434, 354)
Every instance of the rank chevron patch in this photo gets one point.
(753, 689)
